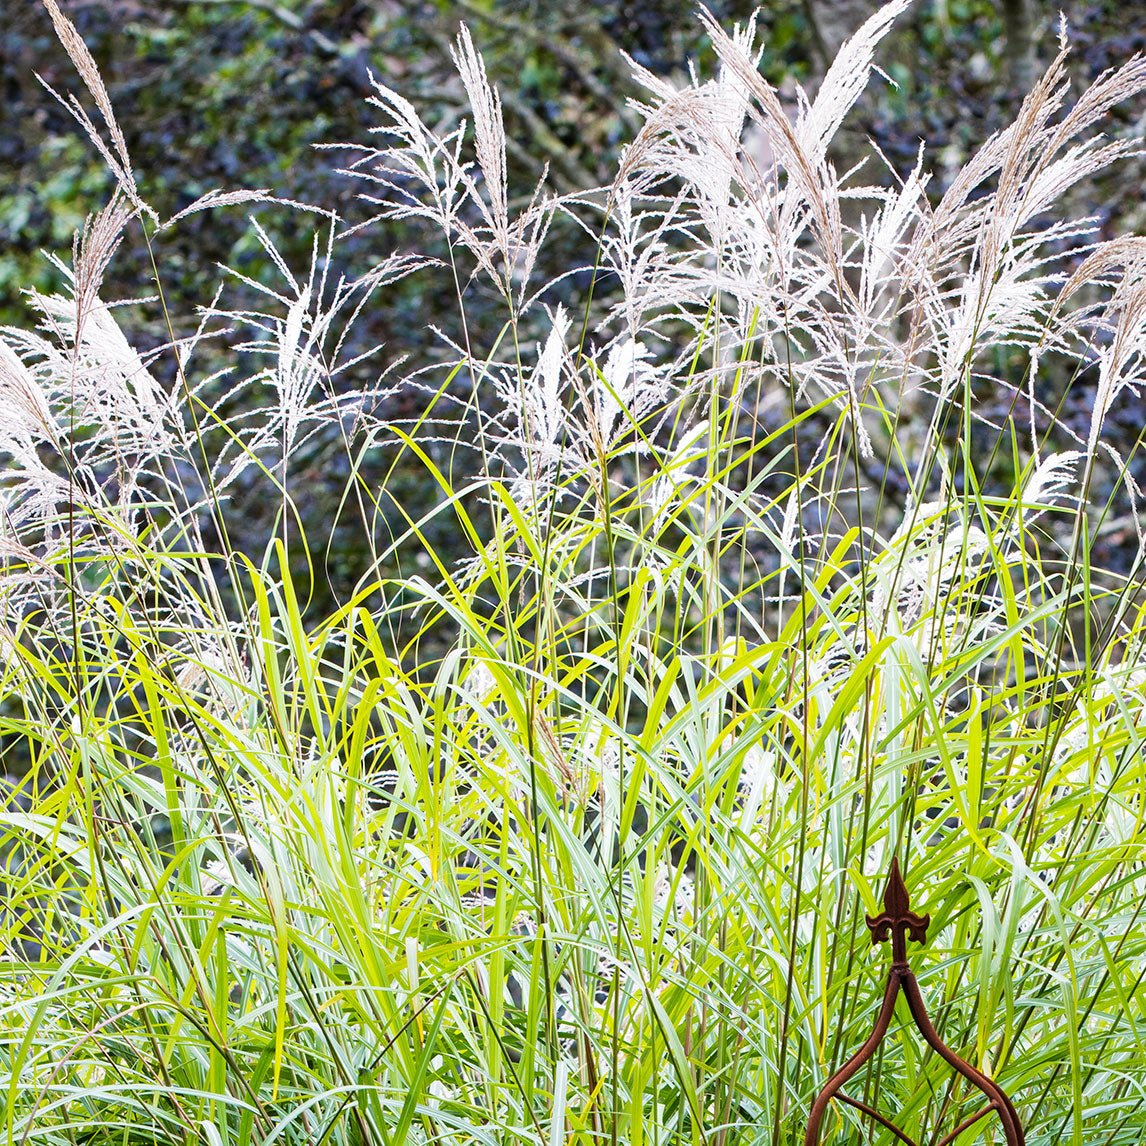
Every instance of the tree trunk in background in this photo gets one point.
(1019, 24)
(834, 21)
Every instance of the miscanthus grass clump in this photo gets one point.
(778, 567)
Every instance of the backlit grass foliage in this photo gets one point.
(763, 590)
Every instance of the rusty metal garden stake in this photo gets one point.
(898, 922)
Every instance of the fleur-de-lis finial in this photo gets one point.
(897, 921)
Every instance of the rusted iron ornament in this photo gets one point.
(898, 922)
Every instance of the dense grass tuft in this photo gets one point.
(779, 567)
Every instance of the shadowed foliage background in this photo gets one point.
(233, 93)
